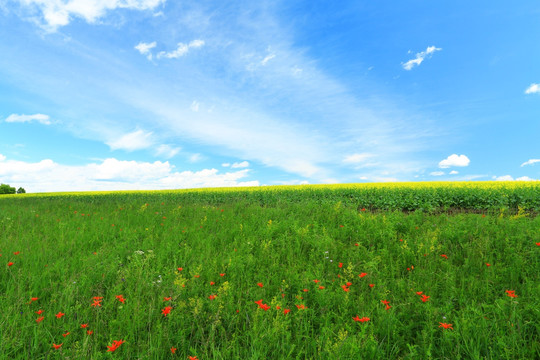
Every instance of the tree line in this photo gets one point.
(6, 189)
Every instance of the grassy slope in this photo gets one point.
(304, 241)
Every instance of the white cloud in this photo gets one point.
(243, 164)
(41, 118)
(194, 106)
(454, 172)
(56, 13)
(225, 164)
(454, 160)
(530, 162)
(267, 59)
(503, 178)
(525, 178)
(196, 158)
(113, 174)
(136, 140)
(181, 50)
(533, 89)
(167, 151)
(2, 157)
(437, 173)
(420, 57)
(144, 49)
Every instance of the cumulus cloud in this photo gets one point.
(144, 49)
(533, 89)
(135, 140)
(437, 173)
(181, 50)
(454, 160)
(41, 118)
(57, 13)
(530, 162)
(226, 164)
(454, 172)
(510, 178)
(113, 174)
(420, 57)
(242, 164)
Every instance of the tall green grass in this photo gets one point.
(74, 248)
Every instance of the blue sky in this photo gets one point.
(161, 94)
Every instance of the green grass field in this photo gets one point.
(288, 274)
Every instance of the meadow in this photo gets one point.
(354, 271)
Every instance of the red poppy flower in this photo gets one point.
(115, 345)
(306, 290)
(167, 298)
(39, 319)
(362, 274)
(90, 332)
(321, 287)
(83, 326)
(345, 288)
(340, 265)
(212, 297)
(260, 284)
(221, 275)
(425, 298)
(488, 264)
(212, 283)
(193, 358)
(65, 334)
(511, 293)
(356, 244)
(301, 307)
(444, 256)
(371, 285)
(59, 315)
(180, 269)
(316, 281)
(349, 283)
(39, 312)
(166, 311)
(446, 326)
(363, 319)
(16, 253)
(9, 263)
(121, 298)
(286, 311)
(173, 350)
(419, 293)
(33, 299)
(56, 347)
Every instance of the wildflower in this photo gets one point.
(167, 298)
(345, 288)
(212, 283)
(371, 285)
(419, 293)
(340, 265)
(306, 290)
(166, 311)
(356, 244)
(349, 283)
(362, 275)
(9, 263)
(212, 297)
(425, 298)
(39, 312)
(538, 244)
(511, 293)
(444, 256)
(121, 298)
(488, 264)
(39, 319)
(96, 303)
(83, 326)
(115, 345)
(59, 315)
(89, 332)
(180, 269)
(301, 307)
(222, 275)
(197, 276)
(385, 302)
(193, 358)
(321, 287)
(65, 334)
(286, 311)
(446, 326)
(56, 347)
(173, 350)
(33, 299)
(363, 319)
(260, 284)
(16, 253)
(316, 281)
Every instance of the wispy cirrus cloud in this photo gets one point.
(41, 118)
(420, 57)
(145, 49)
(181, 50)
(132, 141)
(530, 162)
